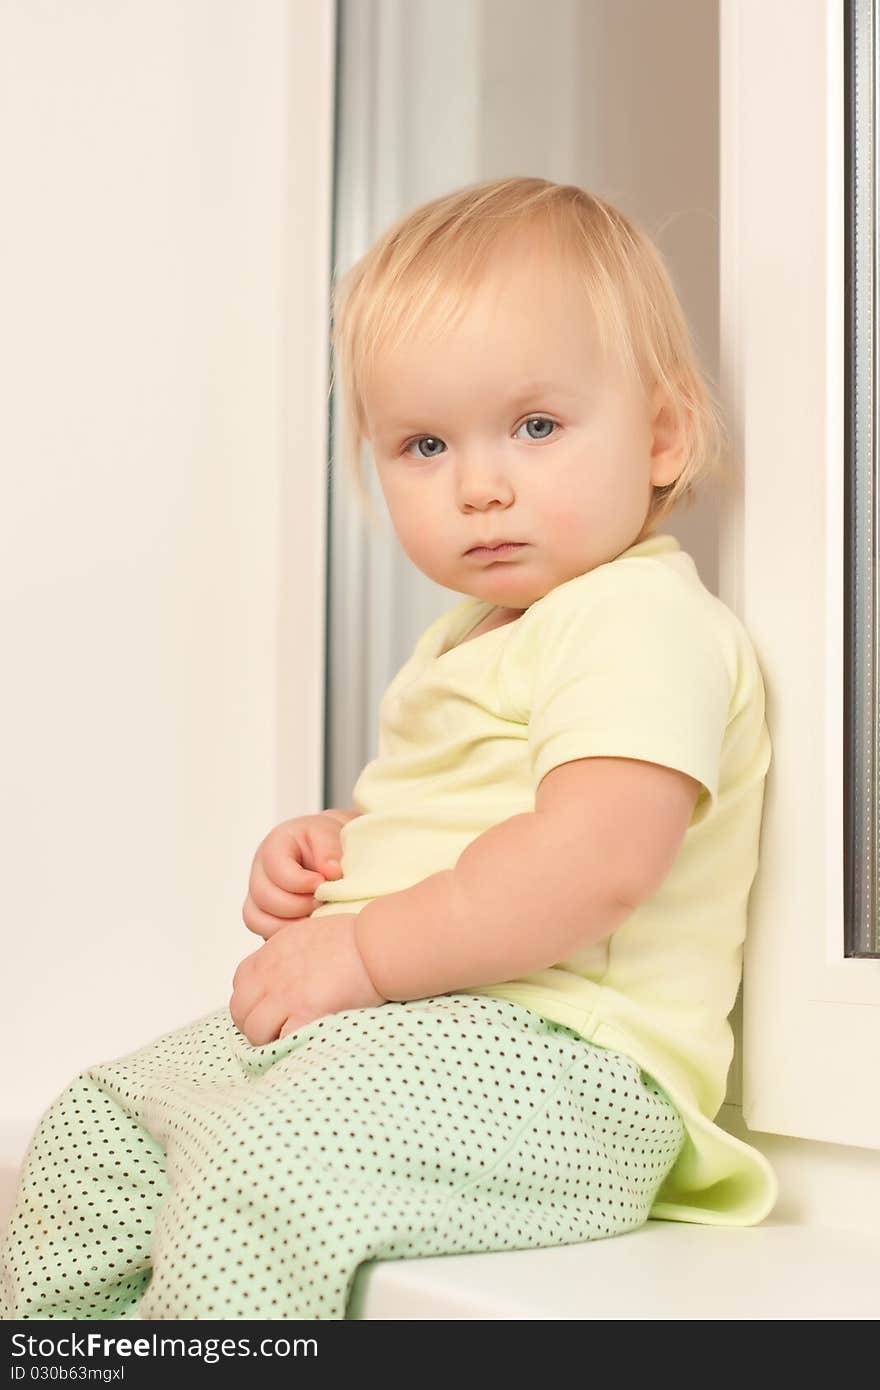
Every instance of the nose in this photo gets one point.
(482, 482)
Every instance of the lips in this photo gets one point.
(500, 547)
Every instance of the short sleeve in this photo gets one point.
(630, 666)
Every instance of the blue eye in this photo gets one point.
(545, 419)
(433, 438)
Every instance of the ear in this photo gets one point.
(669, 439)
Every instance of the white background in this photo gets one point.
(166, 181)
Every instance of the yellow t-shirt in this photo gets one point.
(635, 659)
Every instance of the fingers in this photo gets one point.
(279, 864)
(286, 872)
(261, 1024)
(264, 923)
(315, 844)
(268, 897)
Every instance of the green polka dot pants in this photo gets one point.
(204, 1177)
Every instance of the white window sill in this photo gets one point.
(664, 1270)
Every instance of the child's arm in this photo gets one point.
(536, 888)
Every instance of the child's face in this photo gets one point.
(463, 461)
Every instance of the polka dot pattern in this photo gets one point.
(204, 1177)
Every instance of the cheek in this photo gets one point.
(414, 521)
(565, 514)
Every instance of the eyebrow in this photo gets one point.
(519, 397)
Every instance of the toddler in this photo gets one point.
(500, 1021)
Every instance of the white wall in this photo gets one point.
(166, 177)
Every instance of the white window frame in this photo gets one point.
(811, 1016)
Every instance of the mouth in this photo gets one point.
(503, 548)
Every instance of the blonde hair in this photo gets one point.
(422, 269)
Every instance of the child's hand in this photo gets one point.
(288, 866)
(305, 970)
